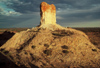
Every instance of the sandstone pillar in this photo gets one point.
(48, 14)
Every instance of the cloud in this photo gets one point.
(4, 10)
(73, 15)
(25, 6)
(68, 11)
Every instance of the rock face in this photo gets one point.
(46, 48)
(52, 49)
(48, 17)
(48, 13)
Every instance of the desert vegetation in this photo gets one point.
(62, 33)
(65, 51)
(46, 45)
(65, 47)
(33, 46)
(48, 52)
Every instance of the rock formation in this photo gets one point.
(45, 48)
(48, 13)
(48, 16)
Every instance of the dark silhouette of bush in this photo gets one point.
(65, 51)
(46, 45)
(33, 46)
(65, 47)
(48, 52)
(62, 33)
(95, 50)
(26, 53)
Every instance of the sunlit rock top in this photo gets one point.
(48, 13)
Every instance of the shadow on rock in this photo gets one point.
(5, 36)
(7, 63)
(33, 66)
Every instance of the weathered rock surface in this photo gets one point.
(48, 16)
(48, 13)
(47, 48)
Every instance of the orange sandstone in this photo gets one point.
(48, 13)
(44, 7)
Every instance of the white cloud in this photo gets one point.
(9, 13)
(13, 13)
(6, 11)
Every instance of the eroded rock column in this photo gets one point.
(48, 14)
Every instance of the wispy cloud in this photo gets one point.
(4, 10)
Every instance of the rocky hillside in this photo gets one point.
(46, 48)
(51, 46)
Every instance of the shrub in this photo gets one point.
(62, 33)
(57, 34)
(26, 53)
(65, 51)
(46, 45)
(68, 33)
(48, 52)
(94, 50)
(65, 47)
(33, 46)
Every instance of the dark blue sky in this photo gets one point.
(70, 13)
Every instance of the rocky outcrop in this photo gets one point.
(45, 48)
(48, 13)
(48, 16)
